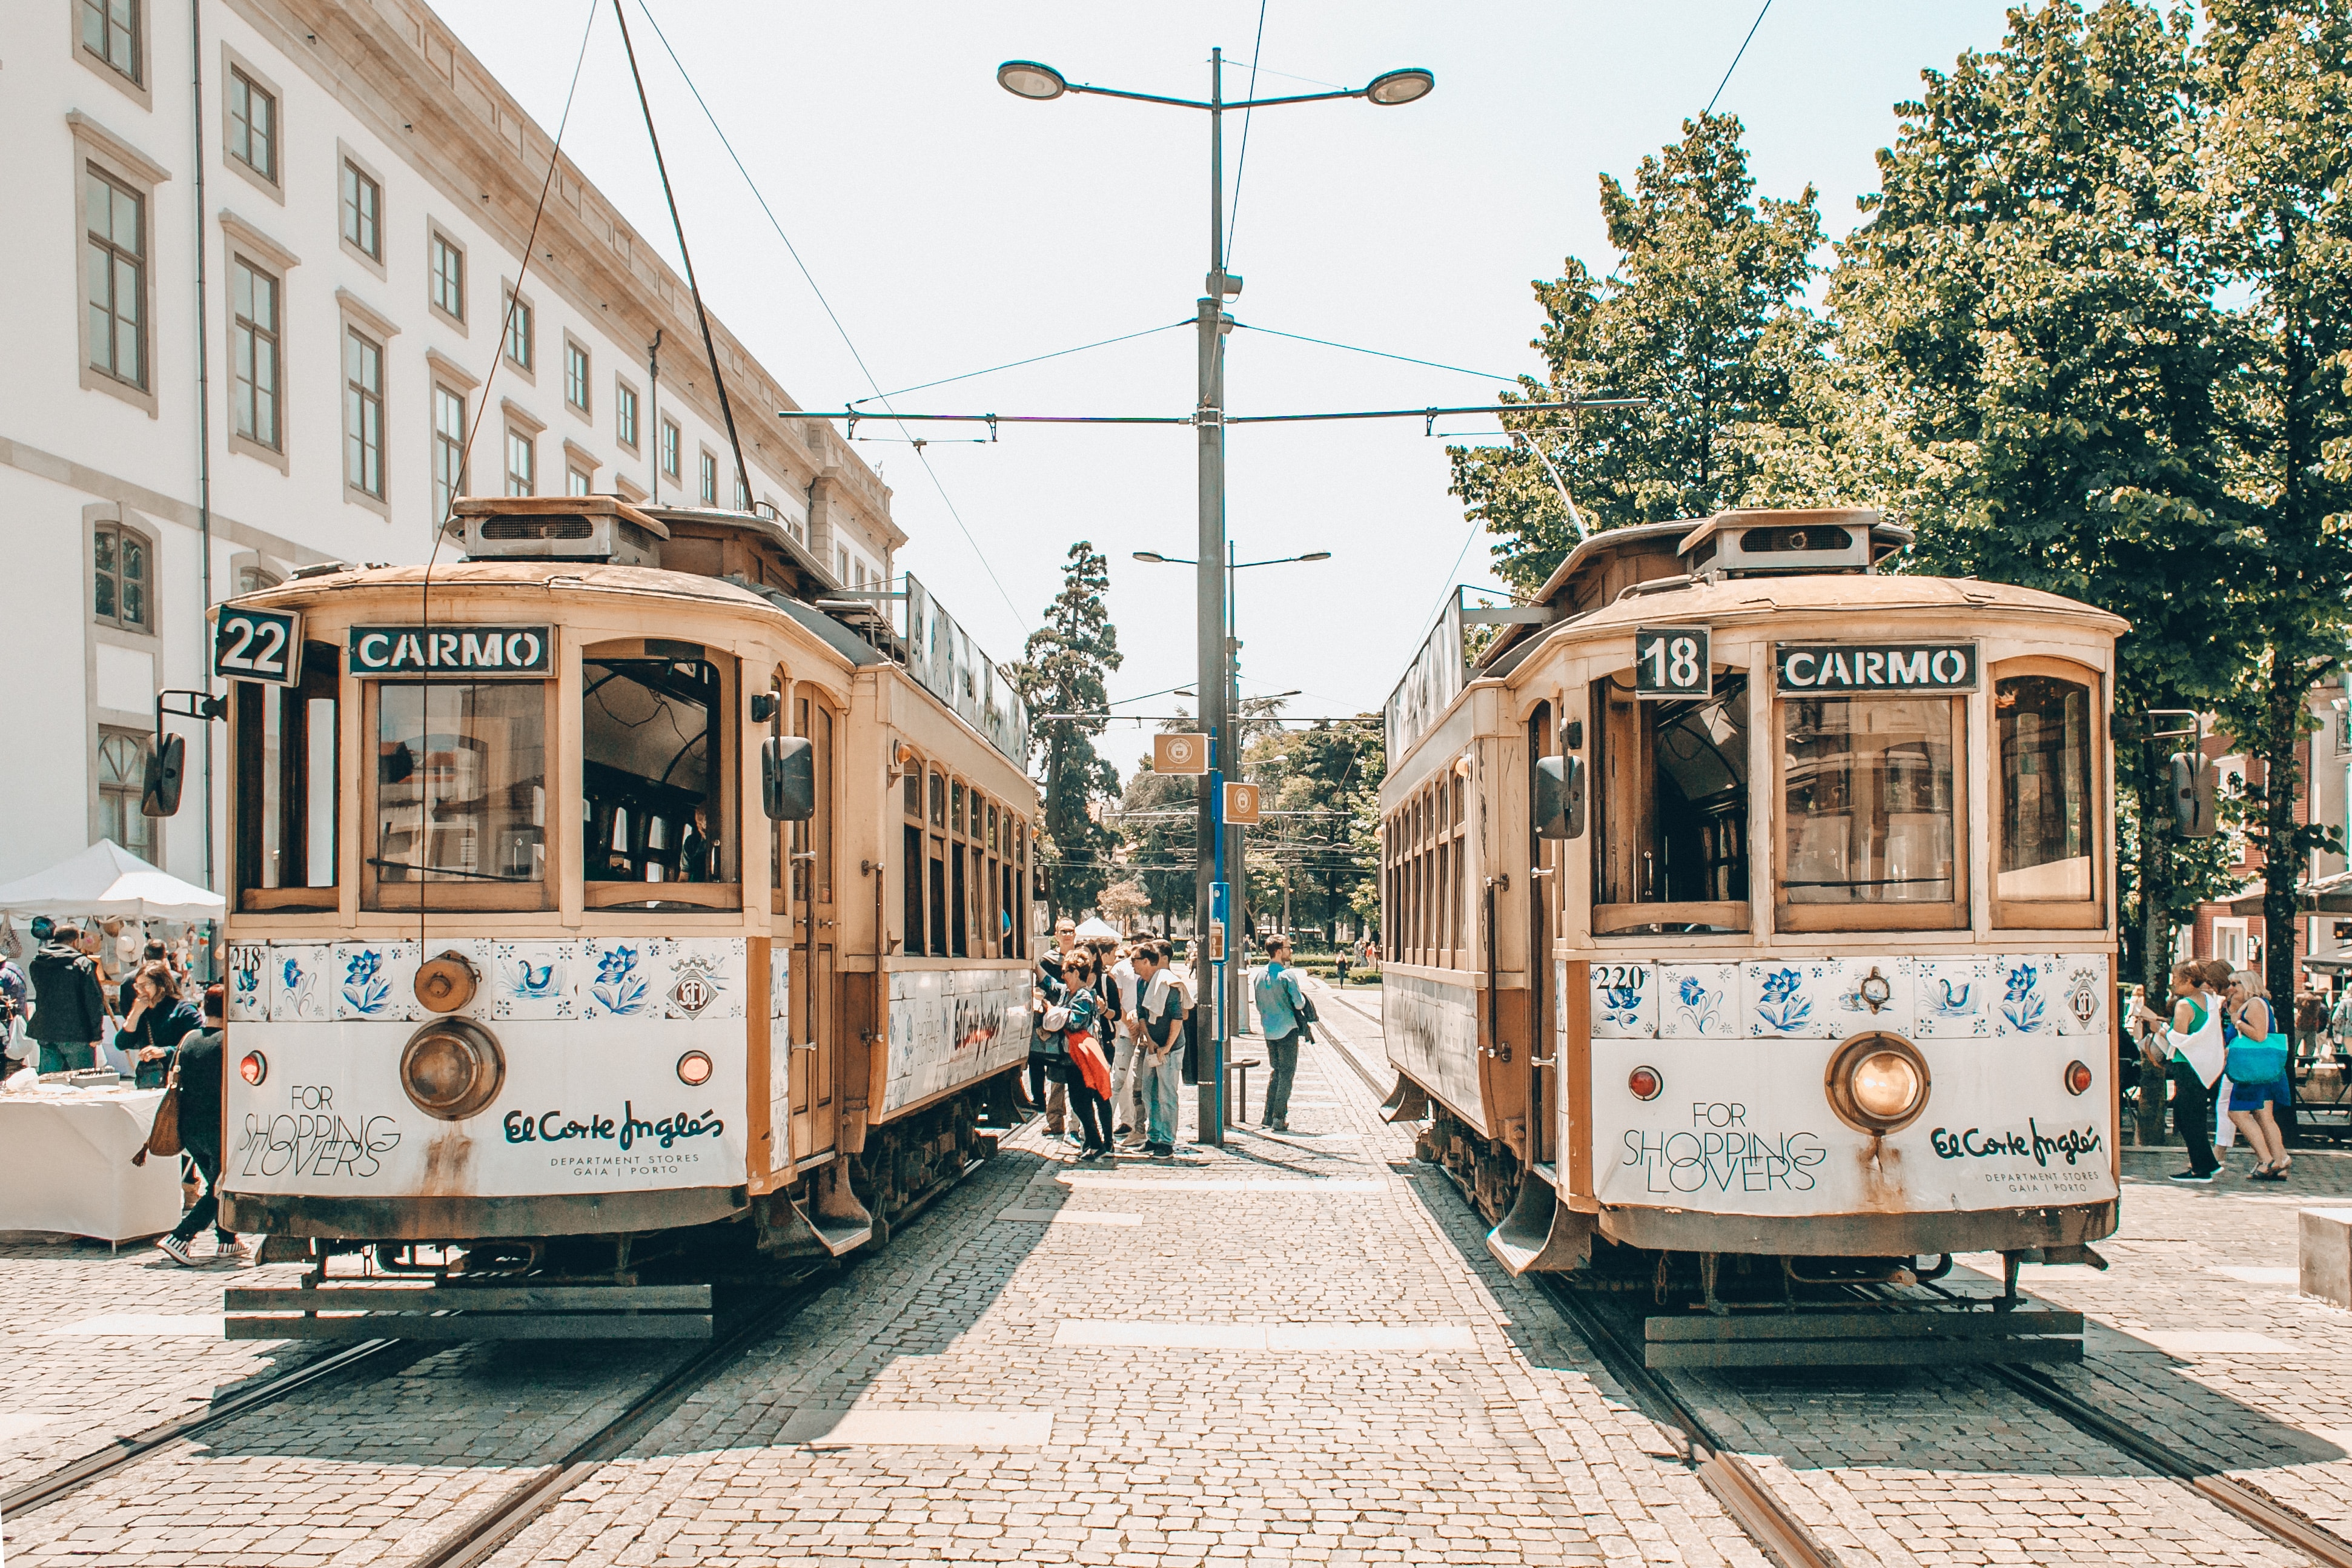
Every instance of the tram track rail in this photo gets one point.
(70, 1477)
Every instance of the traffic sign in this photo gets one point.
(1241, 805)
(1672, 662)
(1180, 754)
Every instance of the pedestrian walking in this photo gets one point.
(198, 1071)
(2189, 1046)
(68, 1007)
(1281, 1007)
(1082, 1068)
(2256, 1063)
(1159, 1038)
(155, 1021)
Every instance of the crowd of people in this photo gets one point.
(1114, 1037)
(2222, 1035)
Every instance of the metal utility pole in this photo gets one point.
(1216, 714)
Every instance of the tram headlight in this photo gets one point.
(2078, 1078)
(1877, 1083)
(254, 1067)
(1643, 1083)
(694, 1070)
(452, 1068)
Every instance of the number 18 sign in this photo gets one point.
(1672, 662)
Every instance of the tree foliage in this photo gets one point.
(1064, 669)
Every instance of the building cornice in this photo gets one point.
(114, 147)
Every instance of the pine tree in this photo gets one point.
(1062, 670)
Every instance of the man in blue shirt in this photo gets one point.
(1280, 1002)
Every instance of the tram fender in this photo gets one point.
(1541, 1235)
(1406, 1102)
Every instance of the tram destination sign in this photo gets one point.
(1810, 667)
(264, 645)
(1673, 661)
(452, 649)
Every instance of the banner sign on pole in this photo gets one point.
(1180, 754)
(1241, 805)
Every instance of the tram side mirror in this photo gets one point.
(2193, 790)
(787, 779)
(166, 766)
(1560, 797)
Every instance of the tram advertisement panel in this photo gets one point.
(623, 1068)
(1736, 1060)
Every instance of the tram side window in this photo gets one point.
(1672, 850)
(289, 787)
(2046, 823)
(1869, 805)
(910, 919)
(460, 787)
(652, 765)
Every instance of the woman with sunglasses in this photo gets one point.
(1077, 1017)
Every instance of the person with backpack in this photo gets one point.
(1283, 1014)
(70, 1008)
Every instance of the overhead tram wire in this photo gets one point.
(1735, 59)
(685, 76)
(1241, 165)
(1376, 353)
(1016, 364)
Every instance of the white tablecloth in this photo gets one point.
(65, 1164)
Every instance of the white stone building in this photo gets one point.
(269, 321)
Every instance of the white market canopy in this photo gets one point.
(107, 879)
(1095, 929)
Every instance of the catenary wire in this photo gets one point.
(1032, 360)
(1736, 59)
(1241, 164)
(1376, 353)
(847, 342)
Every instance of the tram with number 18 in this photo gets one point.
(1750, 922)
(628, 887)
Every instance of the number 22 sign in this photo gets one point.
(1672, 662)
(262, 645)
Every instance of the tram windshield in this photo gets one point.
(287, 788)
(1674, 806)
(649, 769)
(1868, 800)
(461, 782)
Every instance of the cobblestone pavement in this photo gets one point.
(1209, 1383)
(97, 1342)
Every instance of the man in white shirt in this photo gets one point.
(1125, 1085)
(1159, 1030)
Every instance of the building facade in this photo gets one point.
(267, 283)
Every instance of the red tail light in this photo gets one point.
(1644, 1083)
(2078, 1078)
(254, 1067)
(693, 1069)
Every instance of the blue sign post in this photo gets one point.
(1213, 1080)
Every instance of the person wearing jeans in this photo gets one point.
(200, 1060)
(1279, 1003)
(1159, 1041)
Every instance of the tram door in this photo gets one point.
(1542, 1046)
(814, 887)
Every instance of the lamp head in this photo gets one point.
(1153, 556)
(1388, 89)
(1316, 555)
(1030, 80)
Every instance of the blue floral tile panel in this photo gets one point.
(1699, 1001)
(376, 982)
(1952, 998)
(1624, 1001)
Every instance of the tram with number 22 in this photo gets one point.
(1750, 918)
(633, 884)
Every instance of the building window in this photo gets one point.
(518, 331)
(670, 446)
(709, 480)
(363, 211)
(109, 29)
(120, 585)
(842, 576)
(522, 462)
(742, 495)
(362, 415)
(253, 353)
(253, 579)
(624, 415)
(576, 481)
(575, 375)
(252, 125)
(118, 279)
(121, 785)
(449, 277)
(448, 450)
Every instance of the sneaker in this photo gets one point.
(2206, 1179)
(235, 1249)
(1124, 1129)
(1283, 1126)
(174, 1249)
(1161, 1150)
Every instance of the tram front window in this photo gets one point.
(649, 769)
(1868, 800)
(1673, 810)
(460, 785)
(2045, 788)
(286, 795)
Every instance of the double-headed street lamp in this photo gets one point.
(1031, 79)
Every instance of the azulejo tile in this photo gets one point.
(1698, 1001)
(620, 977)
(780, 982)
(1872, 994)
(1952, 998)
(702, 977)
(533, 979)
(2085, 997)
(297, 982)
(2025, 994)
(246, 998)
(1624, 1001)
(1793, 999)
(376, 982)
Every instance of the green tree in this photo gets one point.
(1326, 779)
(2277, 85)
(1701, 318)
(2033, 370)
(1063, 671)
(1158, 819)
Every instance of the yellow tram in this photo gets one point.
(1745, 902)
(632, 877)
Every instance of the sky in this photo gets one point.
(951, 227)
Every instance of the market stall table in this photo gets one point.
(65, 1164)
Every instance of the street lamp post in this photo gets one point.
(1039, 82)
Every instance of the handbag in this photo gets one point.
(163, 1133)
(2252, 1062)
